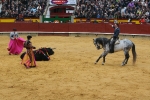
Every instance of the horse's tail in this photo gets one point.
(134, 53)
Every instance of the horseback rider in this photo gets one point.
(114, 37)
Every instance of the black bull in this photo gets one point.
(41, 54)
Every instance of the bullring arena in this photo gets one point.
(71, 73)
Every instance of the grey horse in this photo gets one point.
(123, 44)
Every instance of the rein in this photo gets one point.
(101, 44)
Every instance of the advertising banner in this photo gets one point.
(61, 2)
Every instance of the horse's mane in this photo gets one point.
(102, 41)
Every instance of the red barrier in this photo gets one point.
(76, 27)
(61, 27)
(5, 27)
(96, 28)
(45, 27)
(129, 28)
(145, 29)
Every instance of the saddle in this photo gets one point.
(117, 41)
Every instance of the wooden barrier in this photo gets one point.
(75, 28)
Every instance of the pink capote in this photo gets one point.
(16, 46)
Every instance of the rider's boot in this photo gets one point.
(111, 48)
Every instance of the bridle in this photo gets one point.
(98, 45)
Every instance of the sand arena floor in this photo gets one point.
(71, 73)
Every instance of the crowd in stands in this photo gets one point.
(104, 9)
(20, 9)
(113, 9)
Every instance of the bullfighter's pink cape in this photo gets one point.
(16, 46)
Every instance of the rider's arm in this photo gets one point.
(112, 25)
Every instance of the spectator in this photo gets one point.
(39, 7)
(129, 20)
(0, 7)
(98, 15)
(142, 20)
(33, 10)
(108, 9)
(147, 20)
(148, 4)
(131, 4)
(17, 18)
(30, 20)
(95, 21)
(29, 8)
(123, 14)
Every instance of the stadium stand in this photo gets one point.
(21, 9)
(113, 9)
(88, 9)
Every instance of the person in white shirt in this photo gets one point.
(14, 34)
(39, 7)
(15, 45)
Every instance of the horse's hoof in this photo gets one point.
(122, 64)
(95, 63)
(102, 63)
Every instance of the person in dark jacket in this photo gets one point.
(114, 37)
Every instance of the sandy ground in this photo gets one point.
(71, 73)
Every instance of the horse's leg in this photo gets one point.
(98, 58)
(126, 53)
(102, 55)
(123, 63)
(127, 57)
(104, 59)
